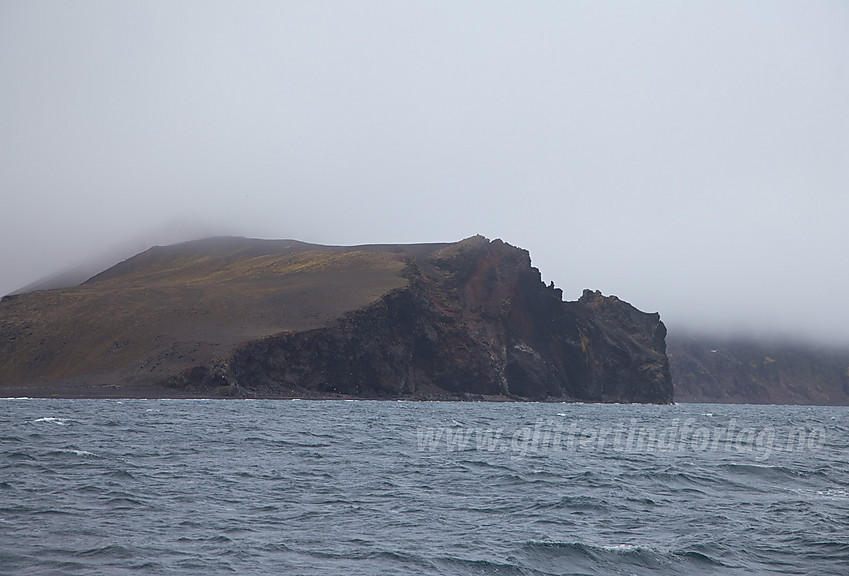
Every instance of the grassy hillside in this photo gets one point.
(177, 306)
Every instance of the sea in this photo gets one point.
(244, 487)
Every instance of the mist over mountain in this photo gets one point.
(707, 368)
(689, 157)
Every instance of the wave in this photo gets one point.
(267, 488)
(63, 451)
(110, 551)
(455, 565)
(619, 558)
(835, 493)
(52, 420)
(775, 473)
(580, 504)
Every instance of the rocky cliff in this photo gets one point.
(474, 321)
(235, 317)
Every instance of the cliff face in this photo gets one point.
(710, 369)
(254, 318)
(474, 321)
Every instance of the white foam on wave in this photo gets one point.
(836, 493)
(616, 548)
(621, 548)
(77, 452)
(60, 421)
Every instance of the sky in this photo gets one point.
(691, 158)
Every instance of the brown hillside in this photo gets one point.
(173, 307)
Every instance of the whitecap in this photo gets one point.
(77, 452)
(60, 421)
(836, 493)
(621, 548)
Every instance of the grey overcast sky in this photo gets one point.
(689, 157)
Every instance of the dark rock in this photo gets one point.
(474, 321)
(240, 317)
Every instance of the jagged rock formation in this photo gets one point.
(470, 320)
(474, 321)
(741, 370)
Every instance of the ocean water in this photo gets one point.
(325, 487)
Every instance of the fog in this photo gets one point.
(689, 157)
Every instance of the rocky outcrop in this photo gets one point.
(475, 321)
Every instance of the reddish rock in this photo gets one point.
(474, 322)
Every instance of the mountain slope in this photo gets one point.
(143, 319)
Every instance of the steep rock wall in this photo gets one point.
(475, 321)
